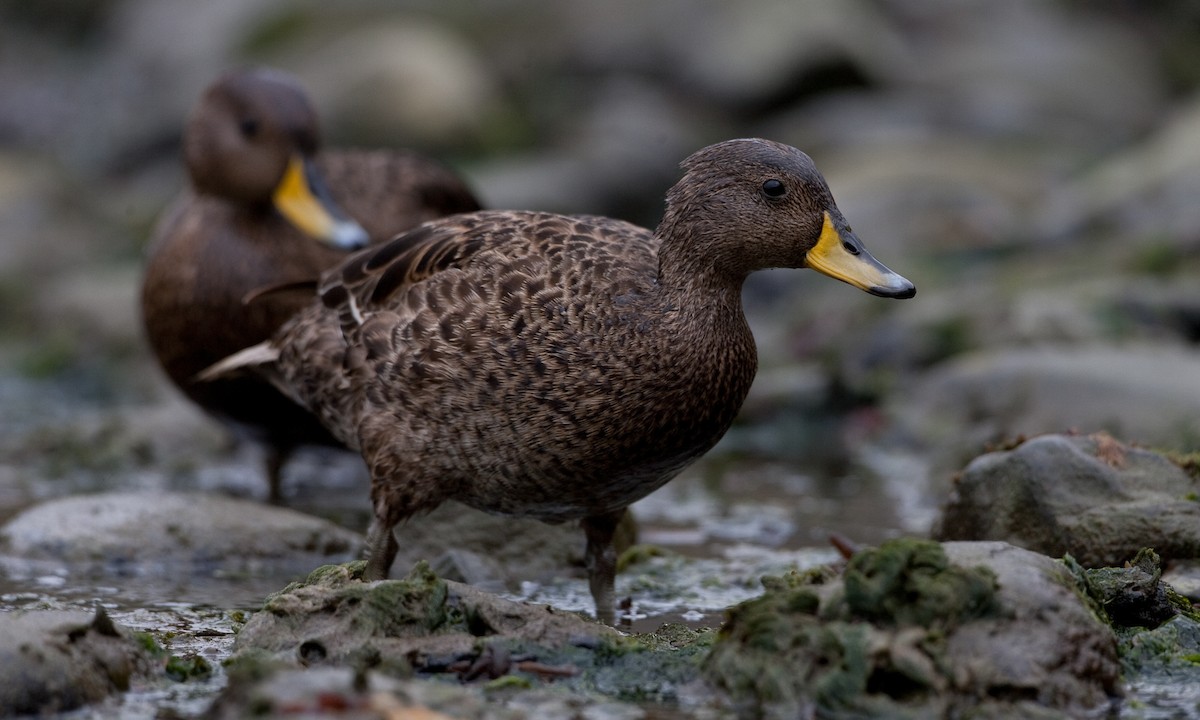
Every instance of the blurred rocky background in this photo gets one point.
(1032, 165)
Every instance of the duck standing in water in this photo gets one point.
(551, 366)
(267, 210)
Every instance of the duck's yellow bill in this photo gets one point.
(843, 257)
(301, 197)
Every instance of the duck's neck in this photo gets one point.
(697, 267)
(701, 294)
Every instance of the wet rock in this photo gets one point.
(1162, 668)
(172, 531)
(1134, 595)
(918, 629)
(55, 660)
(333, 616)
(1088, 496)
(431, 627)
(1172, 644)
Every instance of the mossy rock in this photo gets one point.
(917, 629)
(913, 583)
(425, 626)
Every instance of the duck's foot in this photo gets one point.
(600, 558)
(380, 551)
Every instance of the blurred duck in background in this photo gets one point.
(266, 214)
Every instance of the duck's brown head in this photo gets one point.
(252, 139)
(749, 204)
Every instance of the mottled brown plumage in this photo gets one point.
(558, 367)
(228, 237)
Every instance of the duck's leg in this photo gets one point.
(277, 457)
(381, 549)
(600, 558)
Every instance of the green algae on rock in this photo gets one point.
(913, 583)
(918, 629)
(1133, 596)
(432, 628)
(1155, 625)
(333, 604)
(1157, 630)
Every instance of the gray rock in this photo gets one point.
(56, 660)
(1046, 644)
(425, 626)
(1184, 576)
(1092, 497)
(173, 531)
(915, 629)
(402, 80)
(333, 617)
(1143, 192)
(727, 46)
(931, 194)
(1004, 310)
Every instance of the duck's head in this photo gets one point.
(751, 204)
(251, 140)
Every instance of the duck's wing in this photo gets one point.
(369, 279)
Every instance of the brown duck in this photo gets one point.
(259, 215)
(558, 367)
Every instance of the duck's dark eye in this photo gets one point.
(249, 127)
(774, 188)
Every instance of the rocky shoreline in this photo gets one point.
(911, 628)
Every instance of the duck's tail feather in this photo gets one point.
(253, 358)
(258, 359)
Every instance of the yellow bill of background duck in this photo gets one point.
(840, 255)
(302, 198)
